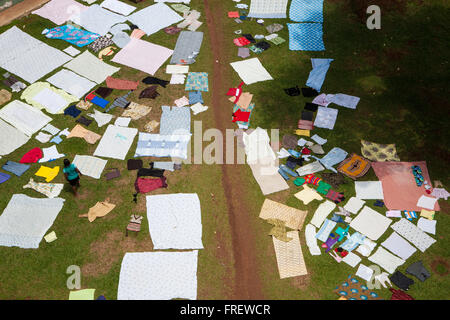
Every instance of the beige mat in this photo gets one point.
(293, 218)
(290, 256)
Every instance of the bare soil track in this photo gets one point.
(247, 284)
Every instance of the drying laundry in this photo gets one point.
(48, 173)
(50, 154)
(318, 73)
(306, 37)
(50, 190)
(71, 34)
(79, 132)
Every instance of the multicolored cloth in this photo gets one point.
(249, 109)
(73, 35)
(354, 167)
(379, 152)
(352, 289)
(101, 43)
(197, 81)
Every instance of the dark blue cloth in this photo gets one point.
(72, 111)
(195, 96)
(4, 177)
(379, 203)
(14, 167)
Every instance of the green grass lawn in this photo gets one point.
(400, 73)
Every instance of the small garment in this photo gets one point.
(241, 116)
(305, 124)
(311, 106)
(401, 281)
(121, 102)
(263, 45)
(103, 92)
(149, 93)
(429, 214)
(440, 193)
(198, 107)
(56, 139)
(154, 80)
(323, 187)
(293, 92)
(151, 126)
(14, 167)
(150, 172)
(100, 117)
(84, 121)
(134, 164)
(122, 122)
(241, 41)
(382, 278)
(112, 174)
(84, 105)
(72, 111)
(325, 230)
(101, 43)
(50, 190)
(145, 185)
(289, 141)
(243, 52)
(426, 202)
(418, 270)
(427, 225)
(121, 84)
(135, 111)
(5, 96)
(317, 148)
(79, 132)
(364, 272)
(43, 137)
(279, 230)
(32, 156)
(353, 241)
(195, 96)
(275, 27)
(400, 295)
(307, 115)
(379, 203)
(50, 154)
(309, 92)
(48, 173)
(334, 196)
(4, 177)
(100, 209)
(307, 195)
(172, 30)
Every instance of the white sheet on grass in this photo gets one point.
(52, 102)
(322, 211)
(90, 166)
(399, 246)
(413, 234)
(116, 142)
(158, 145)
(386, 260)
(118, 7)
(100, 117)
(175, 221)
(158, 276)
(427, 225)
(24, 117)
(160, 14)
(370, 223)
(354, 204)
(311, 241)
(268, 9)
(91, 67)
(27, 57)
(98, 20)
(71, 83)
(11, 138)
(251, 70)
(25, 228)
(369, 190)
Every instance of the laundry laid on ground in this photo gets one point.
(162, 16)
(158, 276)
(43, 96)
(90, 67)
(115, 142)
(60, 11)
(25, 228)
(73, 35)
(187, 47)
(90, 166)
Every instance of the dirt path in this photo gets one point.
(247, 284)
(21, 9)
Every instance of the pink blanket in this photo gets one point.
(143, 55)
(399, 187)
(59, 11)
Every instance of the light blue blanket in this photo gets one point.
(306, 37)
(175, 120)
(306, 11)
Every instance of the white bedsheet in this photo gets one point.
(175, 221)
(11, 138)
(27, 57)
(399, 246)
(25, 228)
(98, 20)
(158, 276)
(90, 166)
(116, 142)
(386, 260)
(71, 83)
(370, 223)
(24, 117)
(369, 190)
(251, 70)
(161, 16)
(118, 7)
(91, 67)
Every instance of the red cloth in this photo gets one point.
(242, 41)
(241, 116)
(90, 96)
(306, 151)
(120, 84)
(144, 185)
(400, 295)
(32, 156)
(236, 92)
(233, 14)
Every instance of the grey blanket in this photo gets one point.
(187, 47)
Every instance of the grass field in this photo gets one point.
(401, 74)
